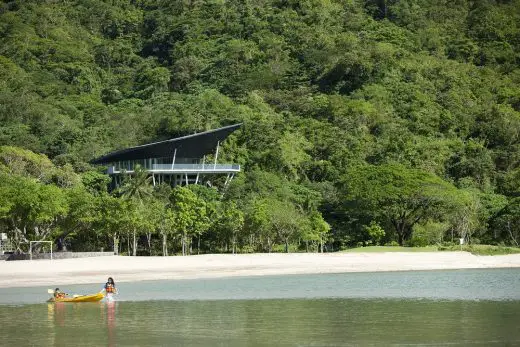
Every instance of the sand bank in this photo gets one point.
(93, 270)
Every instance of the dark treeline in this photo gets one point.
(365, 122)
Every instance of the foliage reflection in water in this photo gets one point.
(297, 322)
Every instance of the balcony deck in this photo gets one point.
(183, 169)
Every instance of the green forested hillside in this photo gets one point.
(382, 120)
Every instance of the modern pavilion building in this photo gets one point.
(178, 161)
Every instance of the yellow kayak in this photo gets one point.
(80, 298)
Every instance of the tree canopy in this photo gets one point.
(359, 115)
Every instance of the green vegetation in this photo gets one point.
(474, 249)
(380, 249)
(365, 122)
(483, 249)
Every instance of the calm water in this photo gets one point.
(466, 307)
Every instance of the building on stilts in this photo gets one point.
(191, 159)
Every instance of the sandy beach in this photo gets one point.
(93, 270)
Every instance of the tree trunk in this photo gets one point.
(149, 239)
(198, 245)
(399, 225)
(268, 244)
(134, 245)
(306, 246)
(116, 245)
(165, 245)
(128, 244)
(321, 245)
(183, 244)
(286, 246)
(60, 245)
(18, 240)
(511, 234)
(400, 238)
(191, 245)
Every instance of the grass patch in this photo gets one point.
(473, 249)
(482, 249)
(380, 249)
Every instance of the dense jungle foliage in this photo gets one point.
(364, 121)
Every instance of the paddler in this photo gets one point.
(110, 287)
(59, 294)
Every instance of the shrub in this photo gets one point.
(418, 240)
(247, 249)
(480, 249)
(375, 232)
(428, 233)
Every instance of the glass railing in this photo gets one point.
(185, 167)
(197, 167)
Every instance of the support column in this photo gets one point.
(174, 154)
(227, 181)
(216, 156)
(198, 173)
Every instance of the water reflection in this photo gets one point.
(50, 313)
(263, 323)
(66, 318)
(50, 321)
(111, 322)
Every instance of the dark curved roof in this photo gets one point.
(190, 146)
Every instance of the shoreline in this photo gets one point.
(27, 273)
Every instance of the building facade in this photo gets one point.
(177, 161)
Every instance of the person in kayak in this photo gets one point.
(59, 294)
(110, 286)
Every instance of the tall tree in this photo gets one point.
(286, 221)
(185, 209)
(32, 211)
(137, 188)
(318, 229)
(230, 223)
(399, 195)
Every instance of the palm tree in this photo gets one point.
(136, 188)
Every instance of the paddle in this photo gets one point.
(50, 291)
